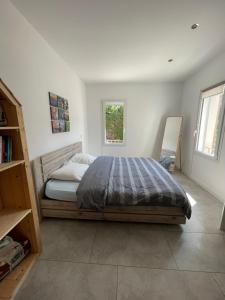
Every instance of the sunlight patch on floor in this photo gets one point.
(191, 200)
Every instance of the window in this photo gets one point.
(114, 128)
(210, 121)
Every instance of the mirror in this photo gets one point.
(170, 153)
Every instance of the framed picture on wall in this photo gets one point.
(59, 112)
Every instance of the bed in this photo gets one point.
(104, 208)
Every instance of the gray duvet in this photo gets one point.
(129, 181)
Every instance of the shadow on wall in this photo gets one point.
(159, 139)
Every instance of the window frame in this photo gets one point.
(221, 126)
(104, 104)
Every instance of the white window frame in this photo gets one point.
(104, 104)
(221, 126)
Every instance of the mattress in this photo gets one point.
(129, 181)
(61, 190)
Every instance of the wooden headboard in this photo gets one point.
(44, 165)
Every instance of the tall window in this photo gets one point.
(114, 122)
(210, 121)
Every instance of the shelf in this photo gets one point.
(11, 283)
(9, 218)
(17, 192)
(11, 164)
(9, 128)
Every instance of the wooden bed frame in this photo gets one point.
(44, 165)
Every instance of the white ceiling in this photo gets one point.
(130, 40)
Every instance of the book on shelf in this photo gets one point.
(5, 148)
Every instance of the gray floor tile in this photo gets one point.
(201, 286)
(206, 211)
(145, 284)
(220, 279)
(131, 245)
(67, 239)
(69, 281)
(198, 251)
(204, 222)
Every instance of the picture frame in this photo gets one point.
(59, 113)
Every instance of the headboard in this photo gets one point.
(44, 165)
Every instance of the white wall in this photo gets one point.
(31, 69)
(147, 106)
(208, 173)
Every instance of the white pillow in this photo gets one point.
(70, 171)
(83, 158)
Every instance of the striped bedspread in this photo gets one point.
(129, 181)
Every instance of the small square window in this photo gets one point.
(210, 121)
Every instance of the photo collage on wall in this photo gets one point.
(59, 110)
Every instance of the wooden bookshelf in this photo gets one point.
(9, 128)
(10, 285)
(18, 211)
(9, 218)
(11, 164)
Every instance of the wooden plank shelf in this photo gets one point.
(9, 128)
(9, 218)
(11, 164)
(17, 193)
(12, 282)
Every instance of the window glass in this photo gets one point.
(210, 121)
(113, 122)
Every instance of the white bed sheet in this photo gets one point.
(61, 190)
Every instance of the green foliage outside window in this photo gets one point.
(114, 122)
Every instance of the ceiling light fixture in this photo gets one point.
(170, 60)
(194, 26)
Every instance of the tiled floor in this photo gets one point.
(85, 260)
